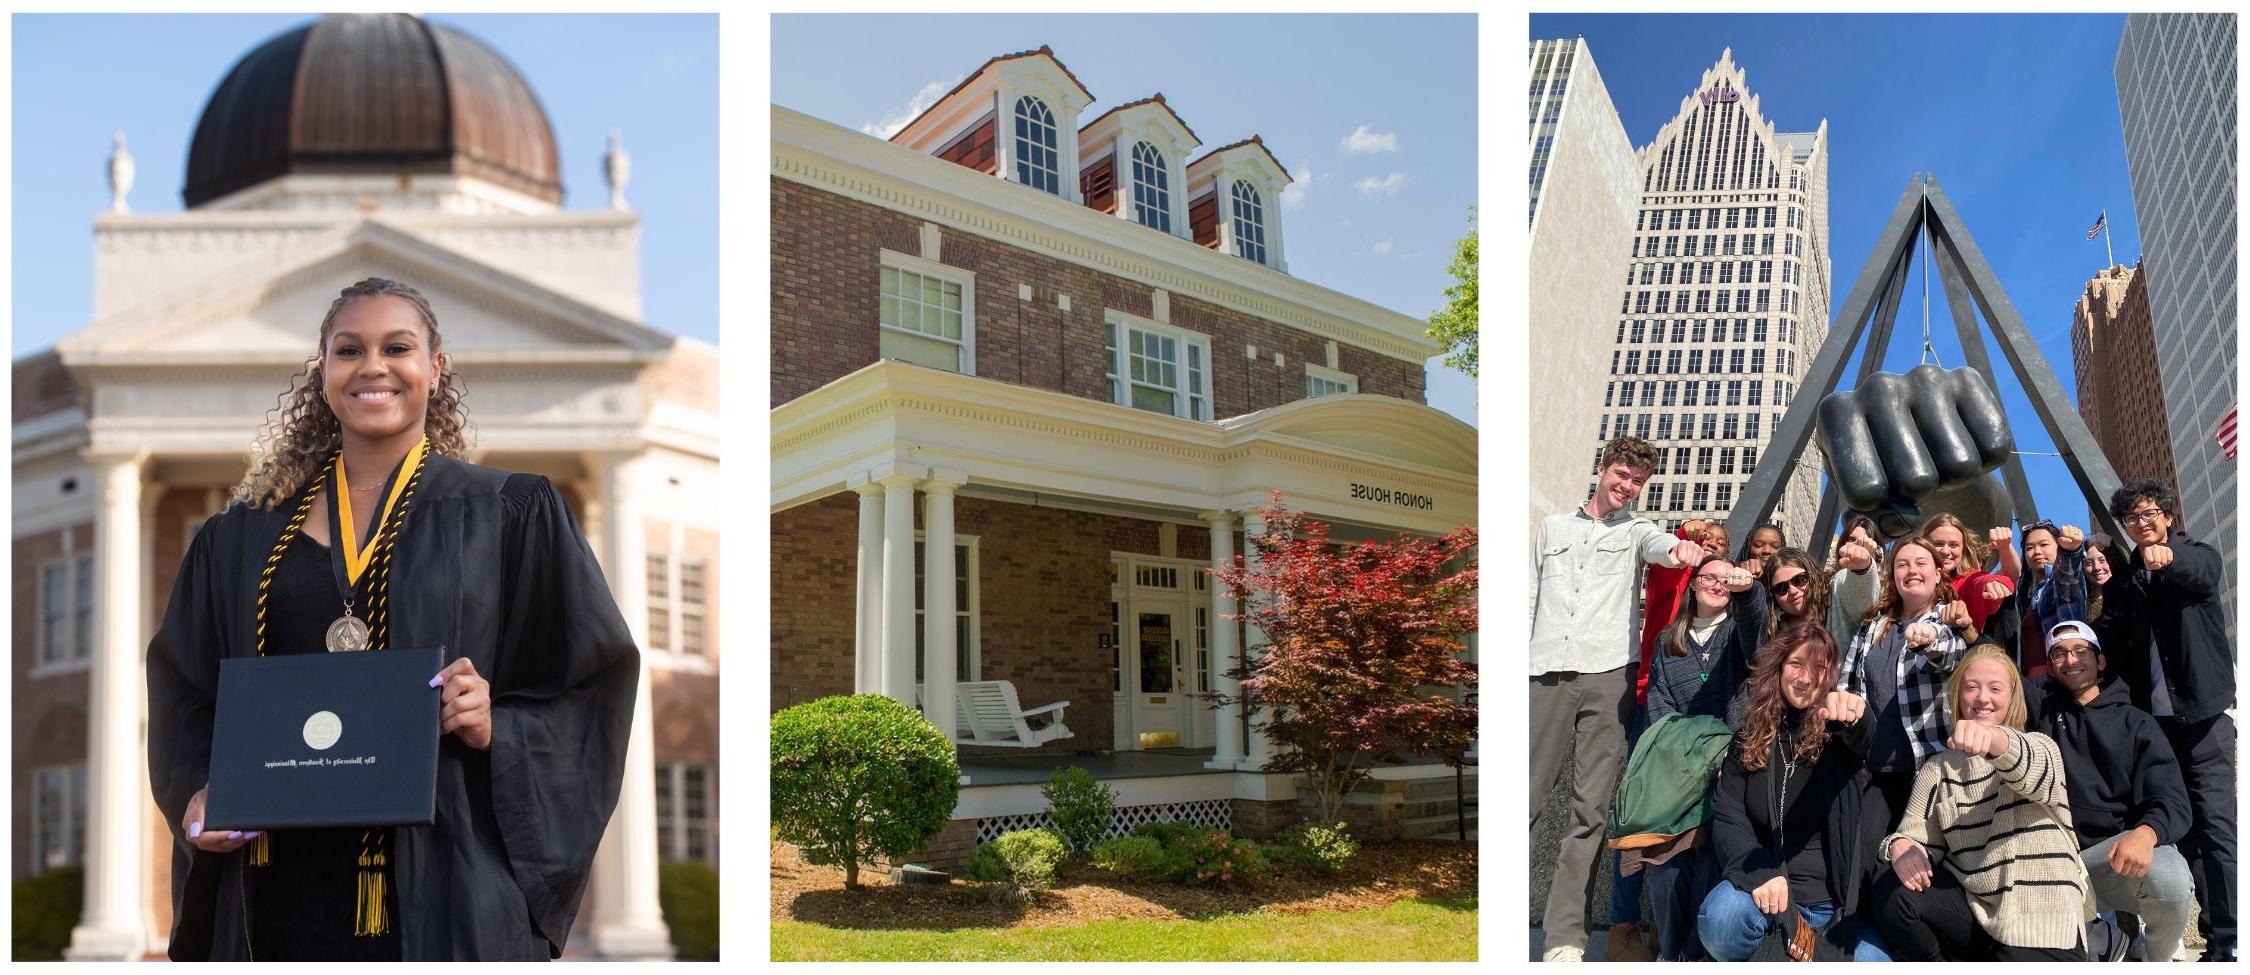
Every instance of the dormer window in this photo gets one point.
(1249, 222)
(1038, 162)
(1152, 196)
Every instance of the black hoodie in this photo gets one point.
(2116, 763)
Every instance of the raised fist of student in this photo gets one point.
(1910, 863)
(1920, 635)
(1856, 554)
(1842, 706)
(1996, 590)
(1956, 614)
(2070, 538)
(1738, 580)
(2156, 556)
(1755, 567)
(2001, 537)
(1983, 741)
(1687, 554)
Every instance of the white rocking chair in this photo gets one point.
(988, 713)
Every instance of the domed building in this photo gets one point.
(357, 145)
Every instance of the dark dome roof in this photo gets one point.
(372, 93)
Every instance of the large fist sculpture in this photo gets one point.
(1900, 444)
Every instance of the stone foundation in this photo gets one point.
(1259, 819)
(948, 851)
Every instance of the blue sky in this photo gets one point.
(1304, 82)
(80, 78)
(2016, 116)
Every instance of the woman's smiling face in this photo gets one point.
(1987, 689)
(1946, 541)
(377, 370)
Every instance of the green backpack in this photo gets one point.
(1667, 785)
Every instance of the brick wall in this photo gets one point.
(48, 720)
(1043, 578)
(825, 267)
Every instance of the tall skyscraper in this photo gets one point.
(1585, 189)
(1725, 302)
(2114, 355)
(2176, 95)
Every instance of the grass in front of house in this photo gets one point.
(1426, 929)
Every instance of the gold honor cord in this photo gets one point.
(370, 562)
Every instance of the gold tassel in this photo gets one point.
(261, 852)
(372, 921)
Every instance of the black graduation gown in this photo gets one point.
(489, 565)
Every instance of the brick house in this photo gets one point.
(1069, 351)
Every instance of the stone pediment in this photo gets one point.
(276, 310)
(1374, 426)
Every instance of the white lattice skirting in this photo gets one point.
(1213, 813)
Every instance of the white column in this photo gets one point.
(898, 583)
(867, 634)
(1253, 644)
(628, 924)
(1224, 649)
(939, 669)
(112, 925)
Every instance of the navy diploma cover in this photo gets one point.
(325, 739)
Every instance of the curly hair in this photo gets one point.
(1976, 553)
(1766, 704)
(1890, 602)
(1633, 452)
(1816, 587)
(301, 432)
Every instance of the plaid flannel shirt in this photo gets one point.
(1921, 676)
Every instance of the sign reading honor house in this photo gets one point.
(325, 739)
(1401, 498)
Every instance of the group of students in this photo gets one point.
(1928, 750)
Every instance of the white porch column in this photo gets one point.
(628, 924)
(898, 582)
(1260, 750)
(1224, 648)
(112, 925)
(867, 635)
(939, 667)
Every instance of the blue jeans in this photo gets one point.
(1624, 891)
(1732, 925)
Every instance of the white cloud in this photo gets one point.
(1376, 189)
(1293, 195)
(1365, 140)
(915, 106)
(1382, 246)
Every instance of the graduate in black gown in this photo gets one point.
(433, 551)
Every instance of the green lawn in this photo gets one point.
(1437, 929)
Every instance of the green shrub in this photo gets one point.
(1019, 863)
(1169, 833)
(45, 908)
(1211, 857)
(689, 895)
(1132, 856)
(1321, 848)
(859, 777)
(1082, 807)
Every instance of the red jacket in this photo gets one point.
(1665, 588)
(1970, 588)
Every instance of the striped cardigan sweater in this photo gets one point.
(2001, 826)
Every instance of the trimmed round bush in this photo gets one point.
(1082, 807)
(688, 893)
(1321, 848)
(1020, 862)
(1132, 856)
(860, 776)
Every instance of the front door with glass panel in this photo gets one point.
(1159, 644)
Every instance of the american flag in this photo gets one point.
(2099, 223)
(2225, 436)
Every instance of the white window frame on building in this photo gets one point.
(679, 630)
(1246, 213)
(1188, 402)
(1323, 381)
(968, 607)
(916, 337)
(1028, 116)
(61, 842)
(65, 637)
(673, 818)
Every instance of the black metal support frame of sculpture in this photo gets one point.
(1970, 287)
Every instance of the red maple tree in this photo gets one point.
(1363, 642)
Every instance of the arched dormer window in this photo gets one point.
(1152, 196)
(1038, 164)
(1249, 222)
